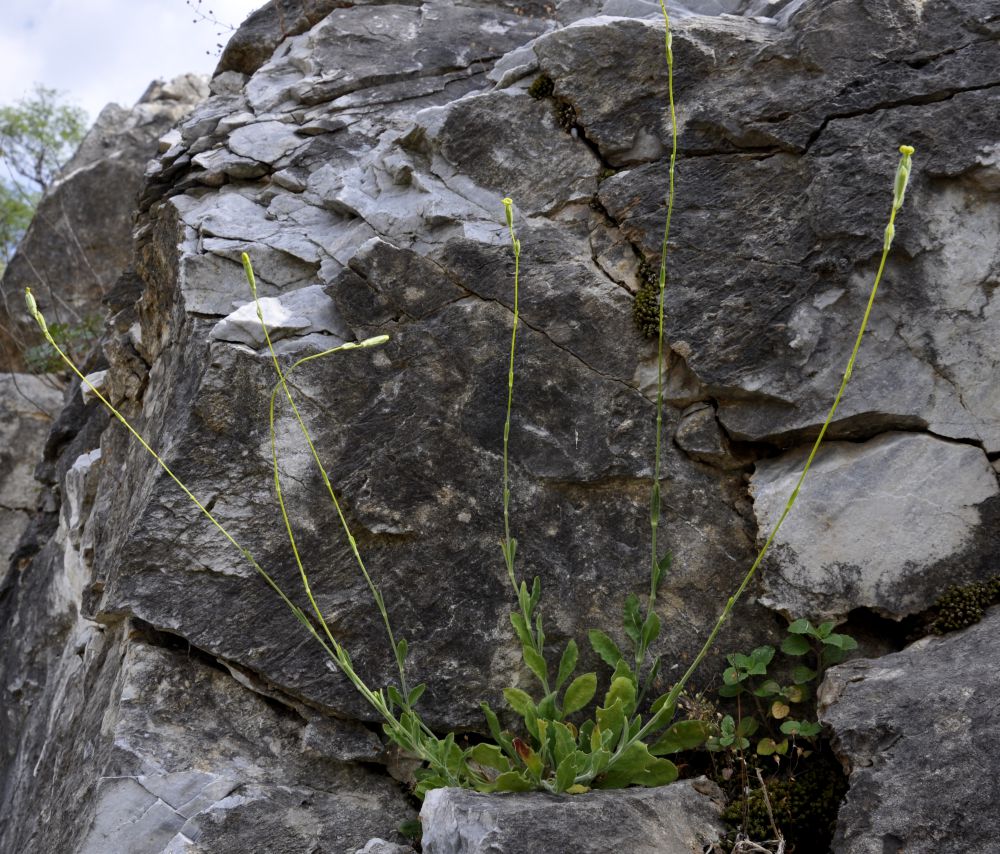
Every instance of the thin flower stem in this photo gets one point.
(655, 722)
(656, 571)
(510, 544)
(376, 593)
(902, 176)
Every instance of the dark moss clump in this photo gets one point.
(805, 807)
(543, 87)
(646, 304)
(959, 607)
(565, 116)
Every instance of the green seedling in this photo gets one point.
(747, 676)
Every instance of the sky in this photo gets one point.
(98, 51)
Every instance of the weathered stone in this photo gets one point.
(701, 438)
(850, 543)
(380, 846)
(916, 731)
(28, 404)
(682, 818)
(394, 137)
(80, 239)
(302, 312)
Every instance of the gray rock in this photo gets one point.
(916, 732)
(384, 190)
(28, 404)
(79, 242)
(682, 818)
(380, 846)
(299, 313)
(849, 542)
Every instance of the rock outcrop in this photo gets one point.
(359, 156)
(682, 818)
(80, 240)
(916, 730)
(28, 405)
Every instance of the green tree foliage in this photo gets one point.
(38, 134)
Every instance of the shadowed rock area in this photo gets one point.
(159, 696)
(79, 242)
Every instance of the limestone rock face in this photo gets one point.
(916, 732)
(80, 241)
(359, 156)
(682, 818)
(850, 541)
(28, 404)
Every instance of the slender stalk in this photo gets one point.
(376, 593)
(655, 722)
(508, 549)
(334, 649)
(899, 193)
(656, 571)
(509, 544)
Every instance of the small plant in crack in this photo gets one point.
(542, 87)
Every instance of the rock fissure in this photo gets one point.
(912, 101)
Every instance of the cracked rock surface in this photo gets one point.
(79, 242)
(359, 153)
(682, 818)
(916, 731)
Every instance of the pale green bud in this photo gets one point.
(902, 175)
(508, 204)
(248, 269)
(29, 298)
(890, 232)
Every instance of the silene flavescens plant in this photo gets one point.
(561, 747)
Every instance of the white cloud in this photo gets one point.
(98, 51)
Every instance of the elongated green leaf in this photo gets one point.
(489, 756)
(636, 767)
(683, 735)
(665, 562)
(536, 594)
(415, 694)
(611, 720)
(795, 645)
(622, 690)
(512, 781)
(394, 696)
(566, 773)
(492, 721)
(532, 761)
(401, 649)
(580, 692)
(606, 648)
(567, 664)
(519, 701)
(632, 619)
(535, 663)
(597, 761)
(539, 634)
(521, 630)
(547, 707)
(650, 628)
(563, 743)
